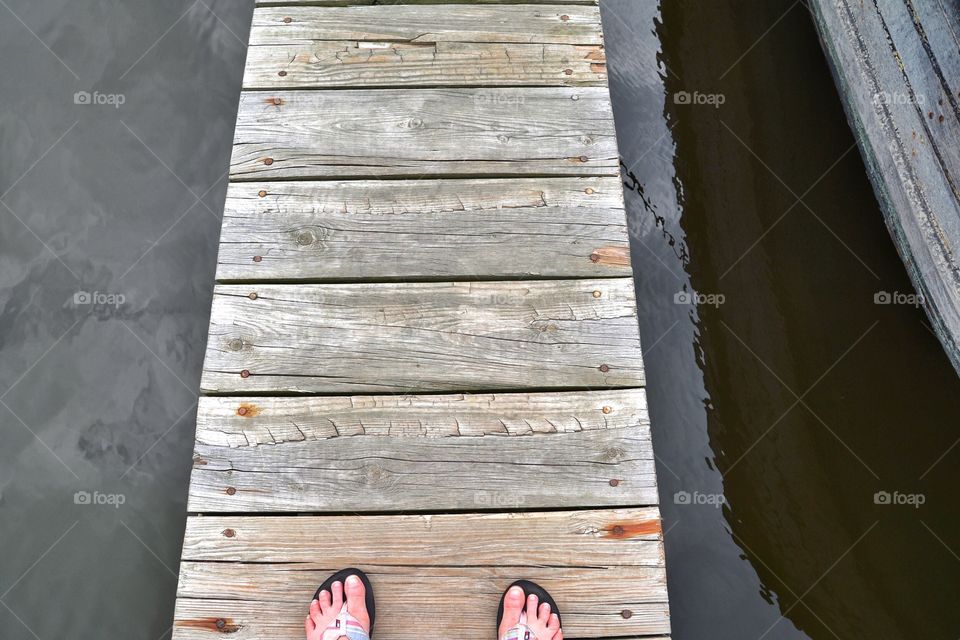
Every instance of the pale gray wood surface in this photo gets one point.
(429, 24)
(345, 3)
(443, 132)
(359, 230)
(439, 452)
(329, 64)
(349, 338)
(268, 601)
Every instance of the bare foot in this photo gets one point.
(543, 623)
(325, 611)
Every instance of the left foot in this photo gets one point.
(328, 616)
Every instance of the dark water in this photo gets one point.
(787, 391)
(120, 200)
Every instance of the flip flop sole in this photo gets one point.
(528, 588)
(341, 576)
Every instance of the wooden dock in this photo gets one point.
(423, 356)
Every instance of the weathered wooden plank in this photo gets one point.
(345, 3)
(440, 336)
(331, 64)
(546, 23)
(593, 538)
(445, 132)
(407, 453)
(267, 601)
(358, 230)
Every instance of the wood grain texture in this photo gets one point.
(406, 453)
(408, 23)
(379, 230)
(328, 64)
(267, 601)
(346, 3)
(443, 132)
(431, 336)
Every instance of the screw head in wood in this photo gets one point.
(257, 258)
(252, 295)
(262, 193)
(268, 161)
(221, 623)
(589, 191)
(618, 530)
(231, 491)
(242, 411)
(288, 19)
(584, 158)
(606, 409)
(613, 483)
(229, 533)
(597, 294)
(627, 614)
(604, 368)
(245, 373)
(568, 72)
(574, 97)
(564, 17)
(282, 74)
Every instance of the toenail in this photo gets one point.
(353, 579)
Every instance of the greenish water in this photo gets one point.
(788, 390)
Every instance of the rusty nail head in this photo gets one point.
(568, 72)
(262, 194)
(564, 17)
(607, 409)
(597, 293)
(221, 623)
(257, 258)
(584, 158)
(242, 411)
(252, 295)
(627, 614)
(245, 373)
(588, 191)
(282, 73)
(268, 161)
(618, 530)
(288, 19)
(594, 257)
(231, 491)
(229, 533)
(614, 483)
(604, 368)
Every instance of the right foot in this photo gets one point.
(523, 613)
(329, 606)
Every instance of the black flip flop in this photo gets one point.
(341, 576)
(528, 588)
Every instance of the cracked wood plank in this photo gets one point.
(379, 230)
(330, 64)
(267, 601)
(407, 23)
(429, 336)
(447, 452)
(454, 132)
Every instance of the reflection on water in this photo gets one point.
(786, 390)
(115, 142)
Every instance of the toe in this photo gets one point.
(513, 603)
(324, 602)
(337, 602)
(543, 613)
(315, 610)
(357, 600)
(553, 624)
(532, 602)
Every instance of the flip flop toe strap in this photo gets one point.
(519, 632)
(345, 625)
